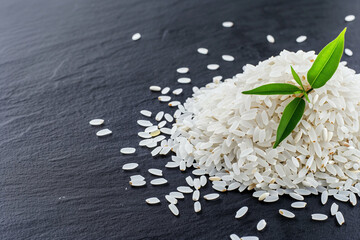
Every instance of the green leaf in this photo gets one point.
(290, 118)
(326, 62)
(274, 89)
(297, 79)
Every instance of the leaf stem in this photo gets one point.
(307, 92)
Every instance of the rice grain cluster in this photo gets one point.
(230, 135)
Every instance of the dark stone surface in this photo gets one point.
(65, 62)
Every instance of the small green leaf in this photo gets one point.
(326, 62)
(274, 89)
(297, 78)
(290, 118)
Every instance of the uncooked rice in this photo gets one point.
(228, 24)
(270, 39)
(155, 88)
(203, 51)
(103, 132)
(146, 113)
(261, 225)
(228, 136)
(228, 58)
(164, 98)
(158, 181)
(220, 129)
(349, 18)
(130, 166)
(177, 91)
(211, 196)
(182, 70)
(128, 150)
(165, 90)
(174, 209)
(241, 212)
(333, 209)
(340, 218)
(213, 66)
(136, 36)
(197, 206)
(298, 204)
(96, 122)
(137, 183)
(348, 52)
(177, 195)
(286, 213)
(301, 39)
(171, 199)
(152, 200)
(184, 80)
(319, 217)
(155, 172)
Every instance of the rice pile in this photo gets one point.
(229, 135)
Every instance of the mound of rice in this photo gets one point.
(226, 133)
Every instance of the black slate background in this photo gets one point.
(63, 63)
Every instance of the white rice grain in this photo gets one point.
(196, 195)
(203, 51)
(155, 172)
(182, 70)
(197, 206)
(301, 39)
(164, 98)
(171, 199)
(136, 36)
(227, 24)
(249, 238)
(146, 113)
(174, 209)
(103, 132)
(228, 58)
(211, 196)
(168, 117)
(144, 123)
(348, 52)
(152, 200)
(184, 189)
(158, 181)
(319, 217)
(137, 183)
(298, 204)
(234, 237)
(177, 91)
(286, 213)
(177, 195)
(213, 67)
(203, 181)
(241, 212)
(334, 208)
(340, 218)
(96, 122)
(324, 197)
(159, 116)
(270, 39)
(349, 18)
(261, 225)
(155, 88)
(130, 166)
(128, 150)
(165, 90)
